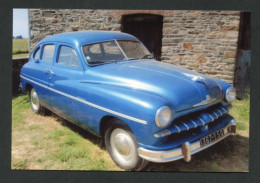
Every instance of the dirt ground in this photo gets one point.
(229, 155)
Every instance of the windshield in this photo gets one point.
(110, 51)
(133, 49)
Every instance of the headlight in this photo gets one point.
(230, 94)
(163, 116)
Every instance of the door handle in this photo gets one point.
(51, 71)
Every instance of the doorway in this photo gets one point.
(147, 28)
(243, 60)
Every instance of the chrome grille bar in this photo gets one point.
(193, 122)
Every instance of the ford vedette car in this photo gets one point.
(109, 84)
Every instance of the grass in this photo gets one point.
(240, 111)
(20, 48)
(19, 104)
(51, 143)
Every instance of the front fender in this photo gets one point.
(123, 103)
(224, 85)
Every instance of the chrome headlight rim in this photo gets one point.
(230, 94)
(157, 116)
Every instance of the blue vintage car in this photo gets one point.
(109, 84)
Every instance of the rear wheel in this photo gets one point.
(122, 146)
(35, 103)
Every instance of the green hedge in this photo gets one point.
(16, 52)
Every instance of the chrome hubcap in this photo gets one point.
(34, 100)
(122, 145)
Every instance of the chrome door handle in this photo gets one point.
(51, 71)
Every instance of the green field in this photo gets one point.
(20, 48)
(51, 143)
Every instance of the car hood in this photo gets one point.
(183, 88)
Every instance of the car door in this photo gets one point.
(42, 60)
(64, 74)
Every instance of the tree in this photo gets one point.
(19, 37)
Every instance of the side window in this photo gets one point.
(48, 53)
(36, 54)
(68, 56)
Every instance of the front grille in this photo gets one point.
(195, 120)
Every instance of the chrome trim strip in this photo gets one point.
(203, 122)
(88, 103)
(186, 126)
(220, 112)
(208, 100)
(212, 119)
(121, 49)
(163, 133)
(166, 132)
(178, 128)
(224, 109)
(215, 114)
(176, 153)
(194, 123)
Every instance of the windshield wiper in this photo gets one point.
(145, 56)
(132, 58)
(98, 62)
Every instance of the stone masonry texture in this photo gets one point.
(204, 41)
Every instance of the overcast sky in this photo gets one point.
(20, 22)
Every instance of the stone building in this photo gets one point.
(204, 41)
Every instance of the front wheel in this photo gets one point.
(122, 147)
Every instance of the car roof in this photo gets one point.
(80, 38)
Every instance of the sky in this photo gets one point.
(20, 22)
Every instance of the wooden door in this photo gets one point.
(243, 60)
(147, 28)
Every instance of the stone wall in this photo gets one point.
(44, 22)
(204, 41)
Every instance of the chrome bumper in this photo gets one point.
(185, 151)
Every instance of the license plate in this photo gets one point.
(211, 137)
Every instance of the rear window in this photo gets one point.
(48, 53)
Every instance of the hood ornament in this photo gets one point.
(201, 79)
(208, 100)
(197, 78)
